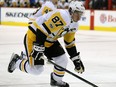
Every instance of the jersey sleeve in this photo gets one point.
(69, 40)
(47, 7)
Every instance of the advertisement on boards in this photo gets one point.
(105, 20)
(15, 16)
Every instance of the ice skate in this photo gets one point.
(58, 84)
(12, 63)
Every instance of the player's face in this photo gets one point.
(55, 2)
(76, 16)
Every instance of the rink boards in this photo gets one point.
(91, 20)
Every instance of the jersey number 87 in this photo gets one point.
(56, 20)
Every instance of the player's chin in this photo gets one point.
(76, 20)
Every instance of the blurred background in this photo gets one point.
(62, 4)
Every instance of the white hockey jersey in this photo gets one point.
(56, 24)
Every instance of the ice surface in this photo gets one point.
(98, 52)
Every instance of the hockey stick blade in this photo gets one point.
(84, 80)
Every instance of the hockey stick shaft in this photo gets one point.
(73, 74)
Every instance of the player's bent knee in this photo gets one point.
(37, 69)
(61, 60)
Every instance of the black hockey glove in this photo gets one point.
(37, 52)
(79, 67)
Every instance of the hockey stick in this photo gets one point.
(73, 74)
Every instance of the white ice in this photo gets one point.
(98, 53)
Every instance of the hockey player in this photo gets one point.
(42, 39)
